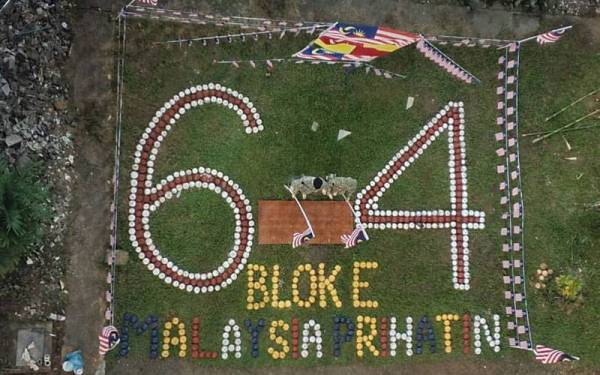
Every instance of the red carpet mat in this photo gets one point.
(279, 220)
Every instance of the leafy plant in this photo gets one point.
(569, 286)
(23, 211)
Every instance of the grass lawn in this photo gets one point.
(414, 274)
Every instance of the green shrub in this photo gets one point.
(569, 286)
(23, 211)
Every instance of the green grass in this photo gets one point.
(414, 275)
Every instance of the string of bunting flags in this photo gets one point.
(518, 326)
(511, 199)
(109, 335)
(466, 41)
(442, 60)
(270, 64)
(243, 37)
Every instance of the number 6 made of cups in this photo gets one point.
(146, 197)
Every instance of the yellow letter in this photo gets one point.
(363, 340)
(257, 285)
(357, 285)
(285, 348)
(174, 335)
(447, 320)
(275, 301)
(328, 283)
(313, 289)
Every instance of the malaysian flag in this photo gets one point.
(548, 355)
(550, 36)
(109, 339)
(357, 235)
(353, 42)
(152, 3)
(299, 239)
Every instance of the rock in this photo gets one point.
(13, 140)
(315, 126)
(121, 258)
(60, 105)
(11, 63)
(6, 89)
(23, 161)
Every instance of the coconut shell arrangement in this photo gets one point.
(132, 322)
(459, 219)
(543, 276)
(254, 332)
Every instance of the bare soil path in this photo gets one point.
(90, 73)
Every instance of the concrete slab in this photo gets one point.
(39, 334)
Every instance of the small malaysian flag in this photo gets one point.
(357, 235)
(298, 239)
(109, 339)
(550, 37)
(443, 61)
(548, 355)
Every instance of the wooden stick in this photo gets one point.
(572, 104)
(562, 128)
(564, 131)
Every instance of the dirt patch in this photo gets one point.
(90, 72)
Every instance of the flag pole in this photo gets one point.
(301, 209)
(565, 28)
(362, 227)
